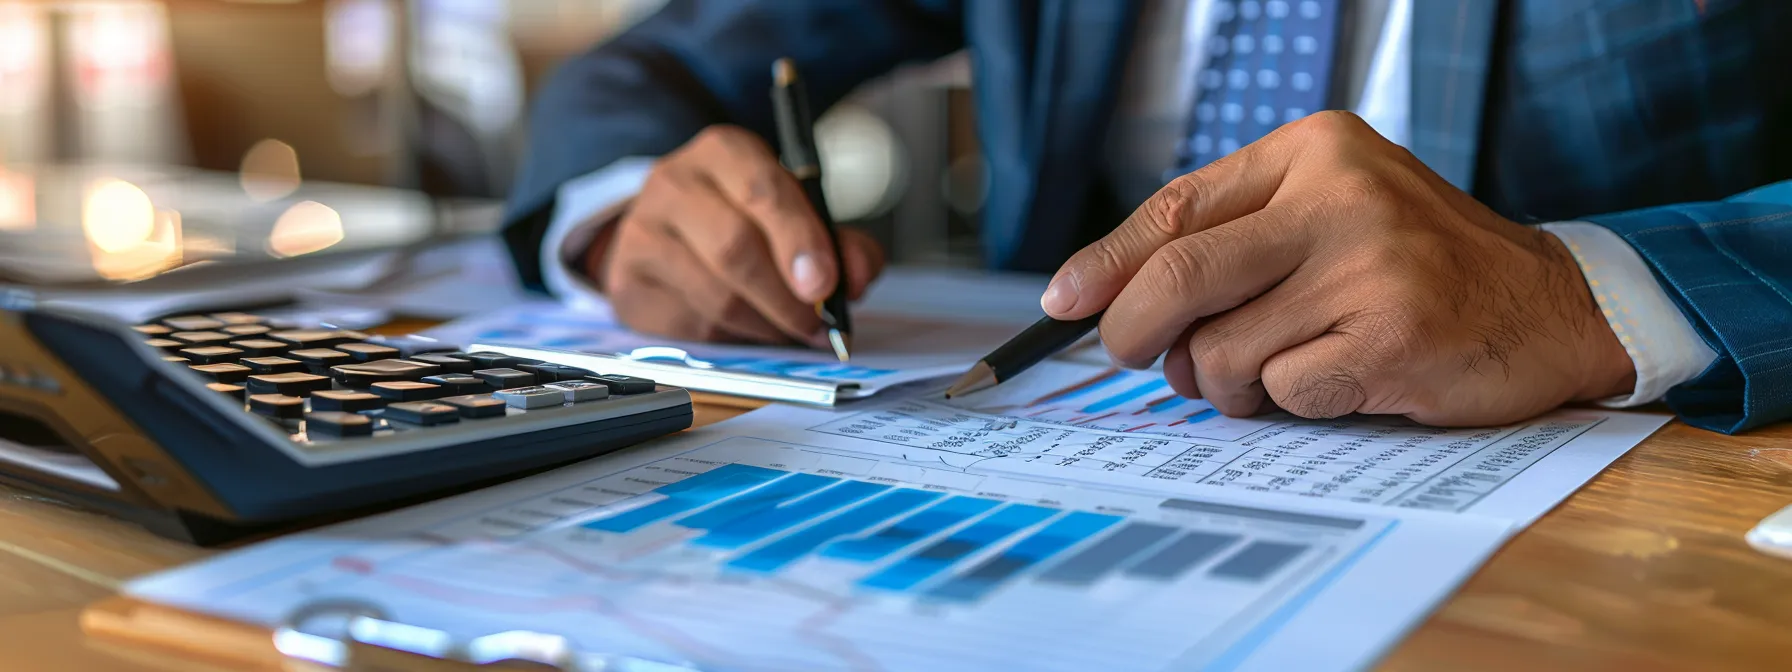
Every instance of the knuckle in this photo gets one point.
(1165, 212)
(734, 242)
(1214, 358)
(1323, 394)
(1180, 266)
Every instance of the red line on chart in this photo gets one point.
(1178, 422)
(1103, 416)
(1134, 429)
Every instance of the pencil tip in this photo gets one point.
(842, 344)
(979, 377)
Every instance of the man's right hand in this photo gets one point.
(722, 245)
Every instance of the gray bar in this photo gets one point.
(1258, 560)
(1261, 514)
(1187, 551)
(1095, 561)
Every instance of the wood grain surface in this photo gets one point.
(1644, 569)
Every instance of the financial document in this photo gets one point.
(889, 348)
(1015, 529)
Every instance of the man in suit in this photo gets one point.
(1325, 262)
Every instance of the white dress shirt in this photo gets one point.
(1150, 118)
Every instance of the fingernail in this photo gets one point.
(1060, 296)
(807, 274)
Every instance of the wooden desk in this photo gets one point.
(1644, 569)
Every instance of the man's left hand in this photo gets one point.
(1326, 270)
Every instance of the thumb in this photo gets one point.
(1224, 190)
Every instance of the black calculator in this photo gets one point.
(210, 426)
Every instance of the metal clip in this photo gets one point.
(373, 643)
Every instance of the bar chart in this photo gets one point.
(1126, 401)
(928, 544)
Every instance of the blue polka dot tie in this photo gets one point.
(1269, 62)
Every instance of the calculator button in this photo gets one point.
(235, 392)
(223, 373)
(165, 344)
(458, 383)
(504, 379)
(319, 360)
(211, 354)
(347, 401)
(492, 360)
(201, 337)
(365, 374)
(620, 384)
(238, 318)
(172, 358)
(290, 384)
(404, 390)
(548, 373)
(450, 362)
(277, 405)
(580, 390)
(318, 338)
(192, 323)
(153, 330)
(261, 365)
(473, 406)
(246, 329)
(367, 352)
(261, 347)
(422, 413)
(534, 396)
(337, 423)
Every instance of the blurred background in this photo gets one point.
(424, 95)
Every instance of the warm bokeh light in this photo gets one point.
(160, 251)
(18, 201)
(270, 170)
(117, 215)
(863, 163)
(306, 227)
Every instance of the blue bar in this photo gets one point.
(756, 526)
(1123, 397)
(906, 531)
(1258, 560)
(986, 576)
(774, 493)
(1172, 402)
(936, 557)
(689, 494)
(1208, 414)
(1104, 381)
(774, 556)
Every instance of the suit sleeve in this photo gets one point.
(1728, 267)
(696, 63)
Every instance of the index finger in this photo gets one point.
(758, 185)
(1227, 189)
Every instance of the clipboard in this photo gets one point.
(369, 644)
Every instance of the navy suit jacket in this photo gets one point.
(1544, 109)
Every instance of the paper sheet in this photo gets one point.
(916, 536)
(889, 348)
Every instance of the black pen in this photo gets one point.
(1045, 338)
(796, 141)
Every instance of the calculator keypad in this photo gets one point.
(340, 385)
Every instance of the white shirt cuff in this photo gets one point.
(583, 206)
(1662, 344)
